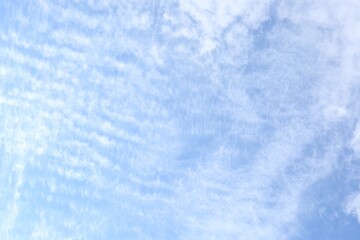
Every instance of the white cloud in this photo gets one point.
(150, 127)
(215, 16)
(355, 142)
(3, 71)
(353, 206)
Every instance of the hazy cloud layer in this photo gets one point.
(179, 119)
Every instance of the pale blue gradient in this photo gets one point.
(179, 119)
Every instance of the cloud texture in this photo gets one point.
(178, 119)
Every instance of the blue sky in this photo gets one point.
(182, 119)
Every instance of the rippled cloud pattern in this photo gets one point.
(209, 119)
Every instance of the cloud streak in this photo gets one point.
(174, 120)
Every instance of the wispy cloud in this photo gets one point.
(174, 120)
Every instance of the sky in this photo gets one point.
(180, 119)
